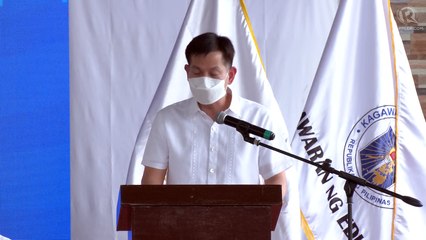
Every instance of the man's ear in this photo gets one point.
(186, 67)
(232, 73)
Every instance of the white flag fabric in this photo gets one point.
(4, 238)
(363, 114)
(224, 18)
(227, 18)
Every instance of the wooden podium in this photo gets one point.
(201, 212)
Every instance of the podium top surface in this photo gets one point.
(136, 196)
(201, 194)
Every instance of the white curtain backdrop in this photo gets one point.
(118, 53)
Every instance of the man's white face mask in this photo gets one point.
(207, 90)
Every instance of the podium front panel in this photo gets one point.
(201, 222)
(206, 212)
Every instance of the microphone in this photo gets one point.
(240, 124)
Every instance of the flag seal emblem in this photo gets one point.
(369, 153)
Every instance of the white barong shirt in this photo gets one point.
(197, 150)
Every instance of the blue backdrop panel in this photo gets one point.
(34, 120)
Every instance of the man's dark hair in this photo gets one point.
(210, 42)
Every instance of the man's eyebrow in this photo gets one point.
(216, 68)
(194, 67)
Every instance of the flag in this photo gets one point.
(4, 238)
(230, 19)
(363, 114)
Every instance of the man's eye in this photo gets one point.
(215, 75)
(219, 76)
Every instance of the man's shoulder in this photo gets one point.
(259, 113)
(181, 107)
(249, 105)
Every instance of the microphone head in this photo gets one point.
(221, 117)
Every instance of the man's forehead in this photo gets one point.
(215, 67)
(214, 54)
(210, 60)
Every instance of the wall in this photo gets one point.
(410, 16)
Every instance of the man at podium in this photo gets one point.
(187, 146)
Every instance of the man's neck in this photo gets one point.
(221, 105)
